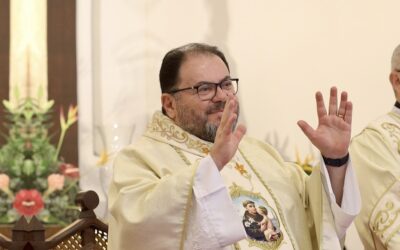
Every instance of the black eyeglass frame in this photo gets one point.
(198, 85)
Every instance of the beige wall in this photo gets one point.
(282, 51)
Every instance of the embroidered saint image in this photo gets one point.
(258, 224)
(260, 220)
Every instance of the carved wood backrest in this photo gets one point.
(87, 232)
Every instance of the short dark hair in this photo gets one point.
(171, 64)
(247, 202)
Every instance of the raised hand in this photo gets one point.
(227, 138)
(332, 136)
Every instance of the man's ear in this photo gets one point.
(395, 80)
(169, 105)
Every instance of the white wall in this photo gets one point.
(282, 51)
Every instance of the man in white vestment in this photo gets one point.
(376, 154)
(184, 183)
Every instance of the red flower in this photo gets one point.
(69, 170)
(28, 202)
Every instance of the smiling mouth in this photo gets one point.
(216, 112)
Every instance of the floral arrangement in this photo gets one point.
(34, 179)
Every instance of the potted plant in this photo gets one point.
(34, 179)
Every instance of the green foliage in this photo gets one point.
(28, 158)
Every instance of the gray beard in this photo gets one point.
(210, 132)
(197, 124)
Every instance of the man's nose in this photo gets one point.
(219, 94)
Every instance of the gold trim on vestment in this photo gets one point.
(393, 130)
(166, 129)
(189, 203)
(384, 220)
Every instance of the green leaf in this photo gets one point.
(48, 105)
(8, 105)
(28, 167)
(15, 169)
(50, 219)
(12, 216)
(6, 219)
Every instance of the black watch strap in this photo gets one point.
(336, 162)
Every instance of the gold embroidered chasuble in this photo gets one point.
(376, 156)
(152, 190)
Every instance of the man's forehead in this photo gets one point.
(199, 67)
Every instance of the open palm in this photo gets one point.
(227, 138)
(332, 136)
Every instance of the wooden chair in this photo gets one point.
(87, 232)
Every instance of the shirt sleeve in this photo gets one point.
(351, 201)
(215, 224)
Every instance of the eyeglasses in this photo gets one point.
(207, 90)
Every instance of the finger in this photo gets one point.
(333, 101)
(240, 132)
(226, 113)
(321, 110)
(307, 129)
(349, 113)
(230, 119)
(342, 106)
(229, 126)
(235, 98)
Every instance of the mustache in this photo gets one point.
(216, 107)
